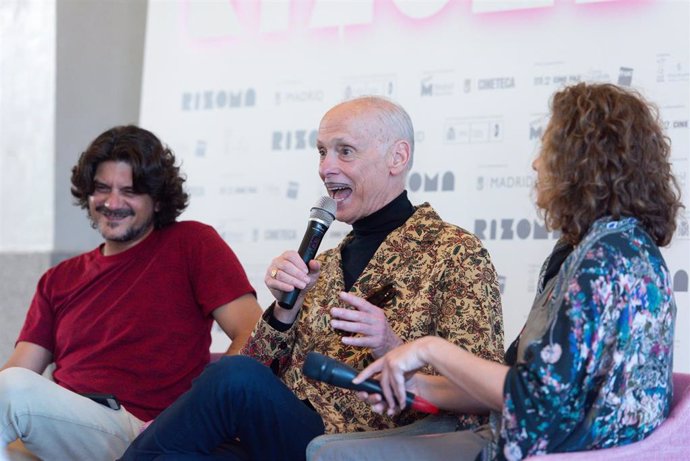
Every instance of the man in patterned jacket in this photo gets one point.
(442, 283)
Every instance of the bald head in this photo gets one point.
(391, 122)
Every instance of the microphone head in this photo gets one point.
(324, 210)
(315, 365)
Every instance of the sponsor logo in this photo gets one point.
(431, 182)
(473, 130)
(218, 99)
(625, 76)
(556, 79)
(280, 234)
(671, 69)
(236, 232)
(232, 236)
(552, 74)
(511, 229)
(597, 75)
(294, 140)
(236, 189)
(375, 85)
(487, 84)
(292, 190)
(435, 85)
(496, 83)
(537, 127)
(674, 124)
(291, 93)
(505, 182)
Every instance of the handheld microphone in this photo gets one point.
(318, 366)
(321, 216)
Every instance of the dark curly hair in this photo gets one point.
(153, 170)
(604, 153)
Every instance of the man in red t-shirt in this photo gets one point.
(128, 323)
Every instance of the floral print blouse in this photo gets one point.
(594, 362)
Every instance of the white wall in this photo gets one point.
(27, 122)
(238, 88)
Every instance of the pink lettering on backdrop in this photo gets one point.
(236, 21)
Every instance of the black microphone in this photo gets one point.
(321, 216)
(318, 366)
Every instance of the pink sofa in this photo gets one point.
(669, 442)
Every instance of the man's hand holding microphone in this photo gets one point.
(292, 274)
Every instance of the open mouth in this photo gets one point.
(338, 192)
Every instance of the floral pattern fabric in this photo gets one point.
(594, 363)
(446, 286)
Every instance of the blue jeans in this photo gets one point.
(237, 409)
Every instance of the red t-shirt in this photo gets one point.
(136, 324)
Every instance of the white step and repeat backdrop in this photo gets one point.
(237, 89)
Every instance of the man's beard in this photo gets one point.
(132, 233)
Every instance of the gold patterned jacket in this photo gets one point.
(446, 286)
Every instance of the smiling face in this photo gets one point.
(362, 168)
(123, 217)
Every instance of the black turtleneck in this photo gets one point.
(369, 233)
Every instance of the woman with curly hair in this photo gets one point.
(592, 366)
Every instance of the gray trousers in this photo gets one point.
(58, 425)
(431, 439)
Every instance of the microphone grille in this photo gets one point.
(313, 365)
(324, 210)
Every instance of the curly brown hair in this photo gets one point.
(153, 170)
(604, 153)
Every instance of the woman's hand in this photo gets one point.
(467, 383)
(396, 372)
